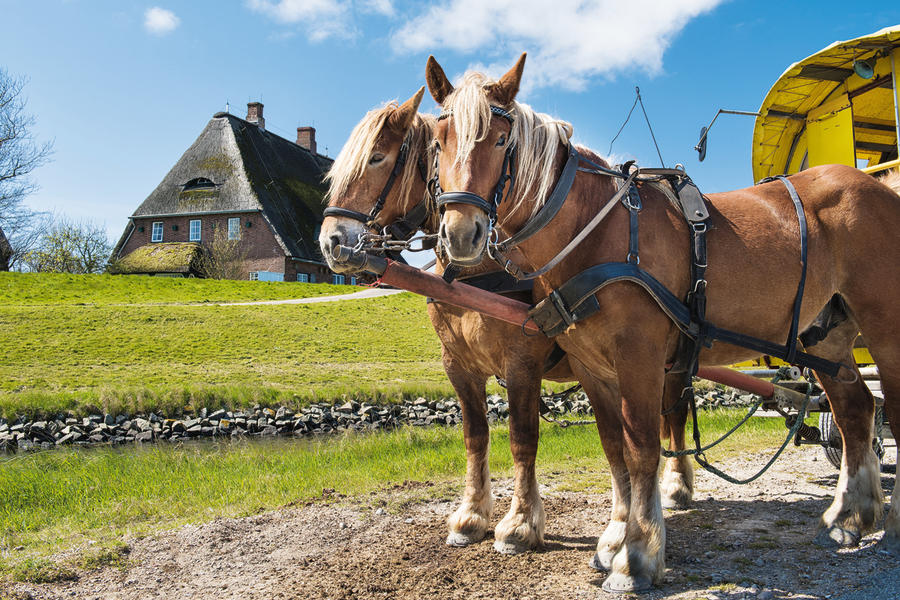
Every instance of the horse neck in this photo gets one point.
(513, 213)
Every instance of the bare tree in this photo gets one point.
(20, 154)
(70, 247)
(223, 258)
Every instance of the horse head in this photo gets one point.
(378, 175)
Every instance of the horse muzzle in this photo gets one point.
(464, 228)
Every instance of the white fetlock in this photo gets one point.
(677, 487)
(609, 545)
(858, 505)
(519, 532)
(469, 523)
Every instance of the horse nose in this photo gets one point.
(333, 242)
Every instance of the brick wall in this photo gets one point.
(263, 251)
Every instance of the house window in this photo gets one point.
(254, 275)
(234, 228)
(303, 277)
(157, 232)
(337, 279)
(353, 281)
(195, 230)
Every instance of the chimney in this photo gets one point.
(255, 114)
(306, 137)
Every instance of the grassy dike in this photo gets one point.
(72, 500)
(100, 343)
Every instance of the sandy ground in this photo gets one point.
(736, 542)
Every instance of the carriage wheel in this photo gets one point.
(832, 437)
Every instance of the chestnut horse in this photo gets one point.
(752, 275)
(474, 347)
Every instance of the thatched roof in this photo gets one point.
(248, 169)
(171, 257)
(5, 252)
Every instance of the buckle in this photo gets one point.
(699, 227)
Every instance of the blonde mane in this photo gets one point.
(537, 137)
(353, 158)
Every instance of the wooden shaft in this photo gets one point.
(458, 294)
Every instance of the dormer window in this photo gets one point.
(199, 183)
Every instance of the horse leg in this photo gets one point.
(678, 477)
(523, 526)
(470, 521)
(604, 397)
(858, 501)
(640, 561)
(883, 340)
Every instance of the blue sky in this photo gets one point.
(124, 87)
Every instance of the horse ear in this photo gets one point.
(505, 90)
(438, 84)
(402, 118)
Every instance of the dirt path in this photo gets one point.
(737, 542)
(366, 293)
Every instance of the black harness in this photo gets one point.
(575, 300)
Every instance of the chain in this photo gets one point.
(384, 242)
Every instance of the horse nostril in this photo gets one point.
(335, 242)
(442, 232)
(478, 232)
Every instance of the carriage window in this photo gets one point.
(195, 231)
(234, 228)
(157, 232)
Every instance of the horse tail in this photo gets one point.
(892, 180)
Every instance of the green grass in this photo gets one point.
(68, 498)
(130, 358)
(41, 289)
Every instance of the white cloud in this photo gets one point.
(568, 41)
(379, 7)
(160, 21)
(322, 18)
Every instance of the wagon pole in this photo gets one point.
(512, 311)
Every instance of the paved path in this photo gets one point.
(366, 293)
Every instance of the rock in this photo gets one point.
(217, 415)
(268, 430)
(379, 511)
(144, 436)
(765, 595)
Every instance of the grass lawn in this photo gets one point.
(62, 499)
(104, 344)
(41, 289)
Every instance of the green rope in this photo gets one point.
(700, 457)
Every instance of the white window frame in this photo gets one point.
(157, 227)
(235, 233)
(191, 237)
(254, 275)
(303, 277)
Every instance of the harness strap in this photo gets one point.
(403, 228)
(632, 201)
(337, 211)
(798, 300)
(517, 272)
(575, 300)
(554, 202)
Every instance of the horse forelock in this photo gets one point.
(536, 136)
(350, 164)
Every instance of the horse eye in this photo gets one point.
(437, 146)
(502, 140)
(376, 158)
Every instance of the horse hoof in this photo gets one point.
(676, 502)
(510, 548)
(459, 539)
(836, 537)
(600, 563)
(617, 583)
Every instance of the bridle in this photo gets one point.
(507, 175)
(369, 220)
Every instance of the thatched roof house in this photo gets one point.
(175, 259)
(251, 185)
(5, 252)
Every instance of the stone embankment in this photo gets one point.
(317, 419)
